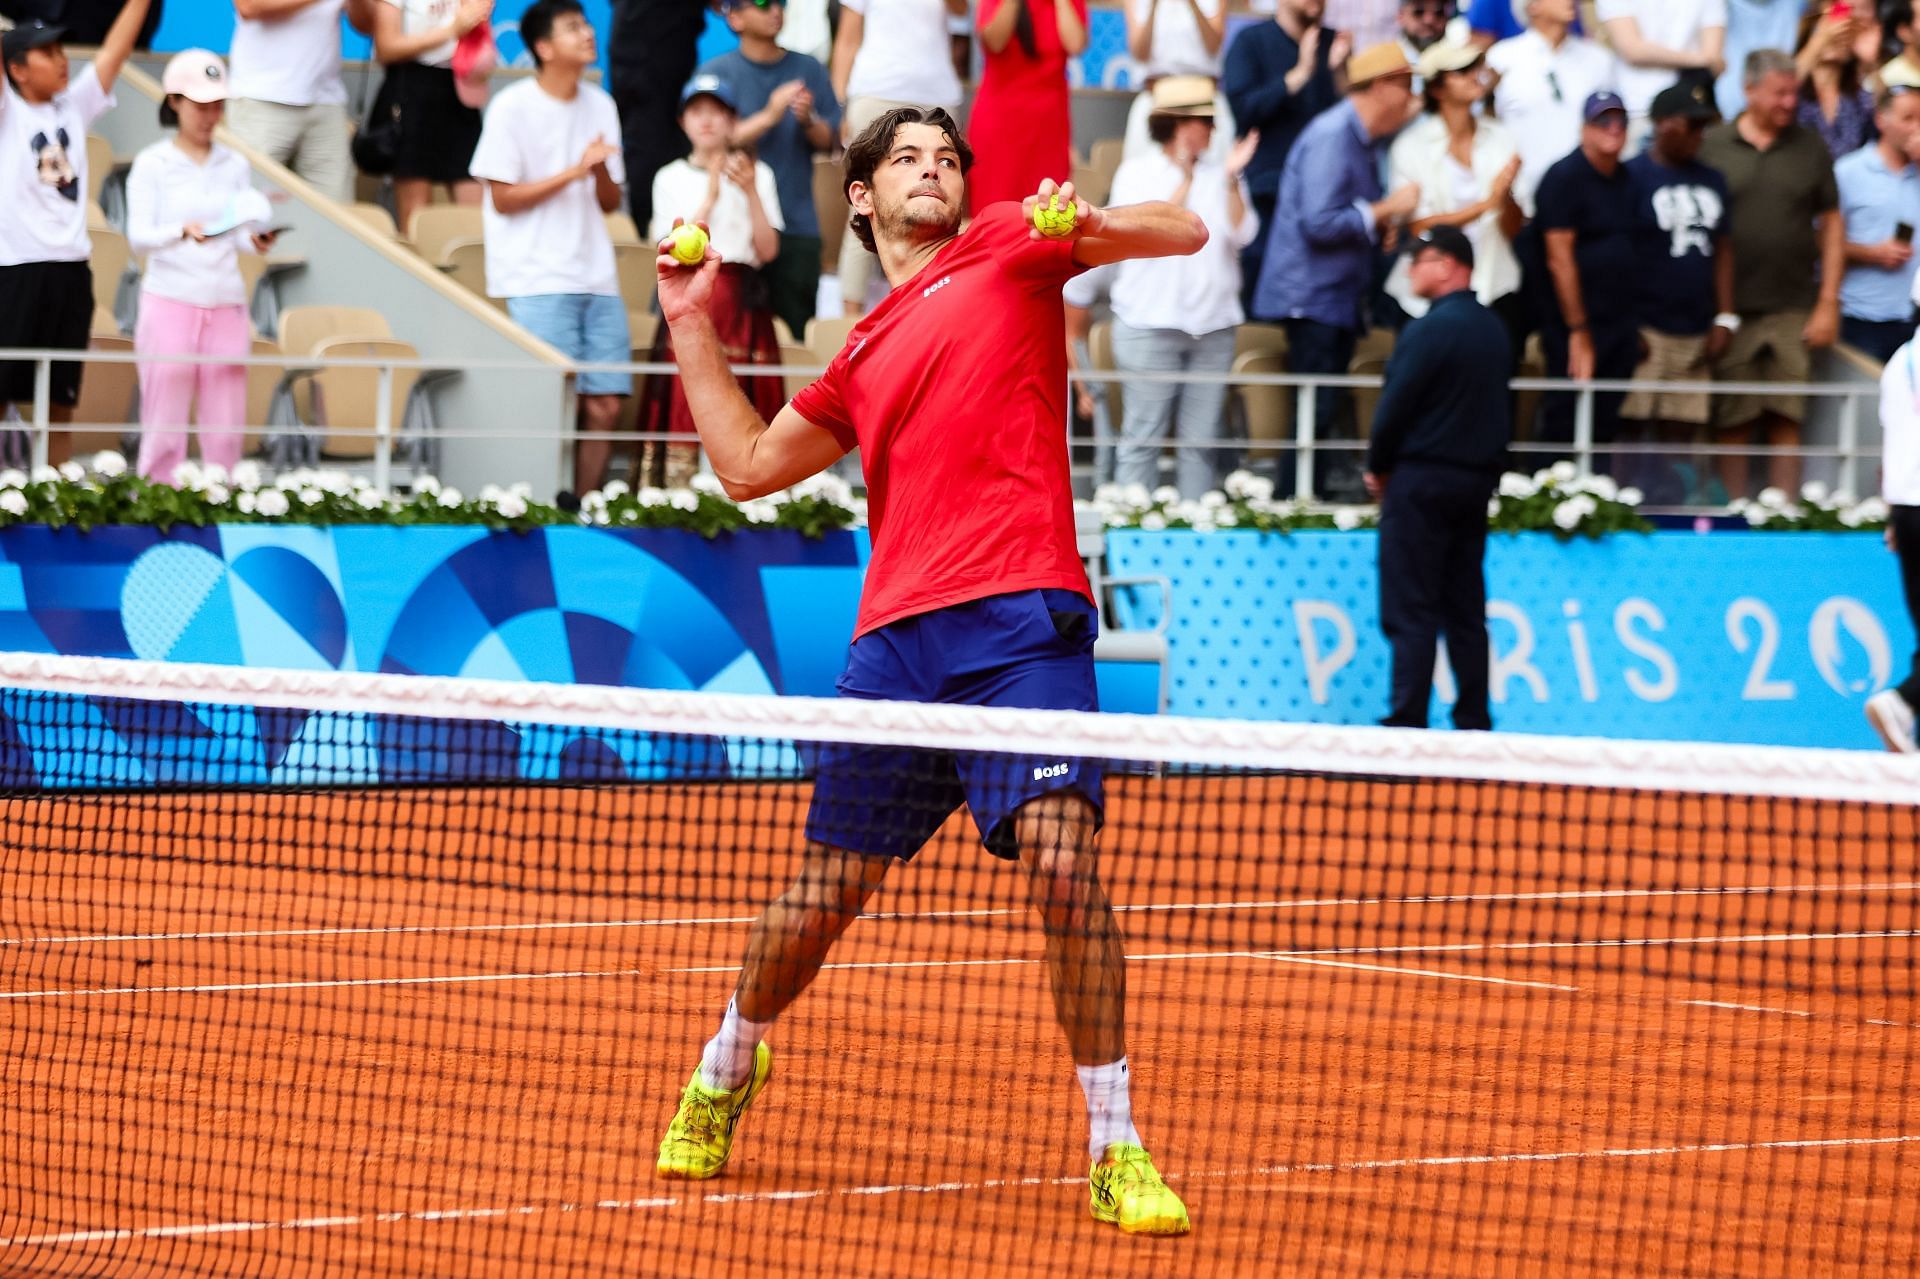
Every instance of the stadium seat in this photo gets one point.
(639, 272)
(830, 204)
(794, 355)
(1100, 350)
(434, 226)
(104, 325)
(112, 260)
(1090, 185)
(346, 401)
(1366, 398)
(109, 395)
(465, 263)
(100, 165)
(621, 228)
(263, 383)
(1104, 160)
(1265, 412)
(374, 216)
(1264, 338)
(827, 334)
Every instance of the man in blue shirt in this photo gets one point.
(1880, 203)
(787, 114)
(1438, 443)
(1683, 299)
(1278, 76)
(1328, 219)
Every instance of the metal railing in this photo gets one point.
(1305, 445)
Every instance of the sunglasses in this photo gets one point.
(755, 4)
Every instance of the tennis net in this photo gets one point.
(310, 973)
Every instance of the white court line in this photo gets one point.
(1418, 972)
(662, 1203)
(230, 987)
(1757, 1008)
(1283, 903)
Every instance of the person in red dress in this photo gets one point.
(954, 390)
(1021, 129)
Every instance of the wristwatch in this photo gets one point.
(1727, 320)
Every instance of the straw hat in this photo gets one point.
(1376, 62)
(1184, 95)
(1454, 51)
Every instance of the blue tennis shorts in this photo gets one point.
(1031, 649)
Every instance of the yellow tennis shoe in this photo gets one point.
(700, 1138)
(1125, 1189)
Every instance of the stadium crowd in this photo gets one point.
(1653, 189)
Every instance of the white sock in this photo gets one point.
(728, 1059)
(1109, 1107)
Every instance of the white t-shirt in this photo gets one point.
(1176, 47)
(678, 190)
(294, 60)
(167, 190)
(1900, 429)
(561, 244)
(806, 29)
(428, 15)
(1539, 97)
(1674, 24)
(904, 53)
(1198, 294)
(43, 171)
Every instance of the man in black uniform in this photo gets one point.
(1439, 440)
(651, 53)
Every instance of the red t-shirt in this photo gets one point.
(955, 390)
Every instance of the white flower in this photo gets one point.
(12, 479)
(1248, 486)
(1564, 472)
(1773, 498)
(1109, 495)
(1756, 516)
(45, 475)
(1602, 486)
(1212, 500)
(245, 503)
(493, 493)
(1844, 497)
(1813, 491)
(450, 498)
(214, 473)
(72, 472)
(683, 500)
(109, 463)
(13, 502)
(1567, 515)
(614, 489)
(651, 496)
(1348, 518)
(335, 482)
(1493, 508)
(760, 510)
(1631, 496)
(1166, 495)
(312, 496)
(590, 503)
(705, 483)
(271, 503)
(1153, 521)
(247, 474)
(512, 506)
(426, 484)
(370, 499)
(187, 475)
(1850, 516)
(1135, 495)
(1514, 484)
(1873, 510)
(216, 494)
(1226, 517)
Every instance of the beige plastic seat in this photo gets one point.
(374, 216)
(1104, 159)
(1267, 410)
(346, 401)
(262, 381)
(827, 335)
(110, 258)
(303, 328)
(107, 393)
(1264, 338)
(100, 164)
(435, 226)
(465, 263)
(621, 228)
(104, 325)
(783, 334)
(830, 204)
(1090, 184)
(796, 356)
(636, 265)
(1366, 398)
(1100, 351)
(1374, 344)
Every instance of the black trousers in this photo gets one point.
(1433, 539)
(651, 52)
(1906, 541)
(1616, 353)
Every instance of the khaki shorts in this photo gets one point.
(1670, 359)
(1768, 348)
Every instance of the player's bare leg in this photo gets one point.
(1088, 970)
(788, 944)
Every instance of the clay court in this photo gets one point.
(1408, 1028)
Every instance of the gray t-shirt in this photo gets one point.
(783, 148)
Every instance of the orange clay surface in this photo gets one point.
(1376, 1029)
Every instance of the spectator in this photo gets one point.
(1752, 24)
(651, 51)
(187, 203)
(1438, 443)
(1585, 217)
(1092, 401)
(1318, 266)
(1880, 206)
(550, 156)
(1464, 166)
(1495, 20)
(1178, 315)
(1834, 56)
(808, 29)
(1175, 37)
(46, 285)
(738, 199)
(1545, 74)
(1683, 277)
(289, 102)
(1279, 75)
(1422, 23)
(889, 53)
(1366, 22)
(788, 113)
(1903, 69)
(414, 40)
(1789, 248)
(1891, 711)
(1021, 128)
(1657, 40)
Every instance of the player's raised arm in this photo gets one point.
(1155, 229)
(750, 456)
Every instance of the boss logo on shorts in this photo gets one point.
(1042, 773)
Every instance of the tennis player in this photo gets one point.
(954, 390)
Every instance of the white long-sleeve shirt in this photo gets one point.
(168, 189)
(1900, 428)
(1197, 294)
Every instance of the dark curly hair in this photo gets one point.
(866, 152)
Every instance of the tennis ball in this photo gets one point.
(689, 244)
(1052, 220)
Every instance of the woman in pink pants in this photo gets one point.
(190, 206)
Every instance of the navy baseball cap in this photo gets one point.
(1598, 104)
(34, 33)
(710, 86)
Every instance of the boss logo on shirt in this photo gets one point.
(936, 286)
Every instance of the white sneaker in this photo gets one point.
(1892, 718)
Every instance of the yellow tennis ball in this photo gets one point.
(1052, 220)
(689, 244)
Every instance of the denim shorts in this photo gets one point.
(587, 328)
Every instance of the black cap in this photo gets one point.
(34, 33)
(1450, 240)
(1694, 101)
